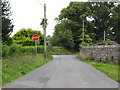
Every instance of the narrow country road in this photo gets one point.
(64, 71)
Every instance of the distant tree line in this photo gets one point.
(98, 17)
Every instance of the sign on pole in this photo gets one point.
(35, 37)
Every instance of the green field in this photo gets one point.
(110, 69)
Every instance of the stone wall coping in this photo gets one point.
(102, 46)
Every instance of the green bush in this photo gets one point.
(63, 38)
(40, 49)
(0, 49)
(24, 37)
(32, 49)
(10, 50)
(29, 42)
(5, 50)
(16, 49)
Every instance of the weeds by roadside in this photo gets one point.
(12, 68)
(110, 69)
(19, 60)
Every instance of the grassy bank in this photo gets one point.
(110, 69)
(0, 72)
(20, 60)
(15, 67)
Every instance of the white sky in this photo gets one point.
(28, 13)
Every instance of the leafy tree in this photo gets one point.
(87, 38)
(24, 37)
(63, 38)
(0, 23)
(97, 16)
(115, 22)
(103, 13)
(7, 26)
(72, 17)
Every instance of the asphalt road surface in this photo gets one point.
(64, 71)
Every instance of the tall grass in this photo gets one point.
(19, 60)
(13, 68)
(0, 72)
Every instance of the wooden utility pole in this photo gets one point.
(45, 50)
(104, 35)
(83, 32)
(44, 29)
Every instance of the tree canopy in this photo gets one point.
(24, 37)
(71, 18)
(7, 26)
(97, 16)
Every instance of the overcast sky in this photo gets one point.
(28, 13)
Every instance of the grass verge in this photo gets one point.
(110, 69)
(14, 67)
(18, 64)
(0, 72)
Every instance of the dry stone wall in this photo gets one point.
(107, 53)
